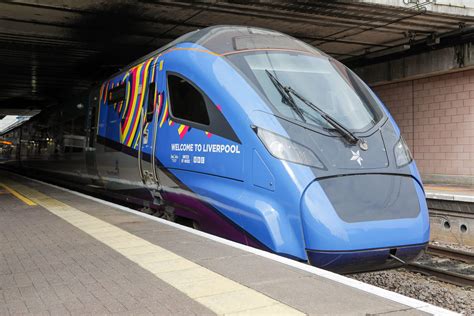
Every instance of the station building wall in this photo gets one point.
(436, 118)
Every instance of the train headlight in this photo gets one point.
(402, 153)
(286, 149)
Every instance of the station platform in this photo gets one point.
(62, 252)
(449, 193)
(451, 213)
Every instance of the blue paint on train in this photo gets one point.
(260, 138)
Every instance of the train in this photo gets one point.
(248, 134)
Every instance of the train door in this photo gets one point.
(148, 137)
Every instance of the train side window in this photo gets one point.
(116, 94)
(187, 102)
(151, 102)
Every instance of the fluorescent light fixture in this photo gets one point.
(9, 122)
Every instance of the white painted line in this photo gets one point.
(408, 301)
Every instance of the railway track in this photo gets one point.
(443, 274)
(464, 256)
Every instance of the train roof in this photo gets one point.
(225, 39)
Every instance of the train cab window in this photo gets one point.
(187, 102)
(116, 94)
(151, 102)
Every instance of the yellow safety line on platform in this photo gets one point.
(214, 291)
(18, 195)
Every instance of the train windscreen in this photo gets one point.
(322, 81)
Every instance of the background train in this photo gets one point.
(248, 134)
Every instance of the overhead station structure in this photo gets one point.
(416, 54)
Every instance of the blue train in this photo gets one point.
(248, 134)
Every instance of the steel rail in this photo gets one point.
(442, 275)
(460, 255)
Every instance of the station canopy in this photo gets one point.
(52, 50)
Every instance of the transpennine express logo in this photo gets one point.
(356, 156)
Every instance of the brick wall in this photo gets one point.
(436, 118)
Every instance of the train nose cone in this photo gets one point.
(355, 223)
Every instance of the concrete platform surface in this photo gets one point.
(449, 193)
(64, 253)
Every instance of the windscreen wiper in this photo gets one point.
(348, 135)
(287, 91)
(285, 95)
